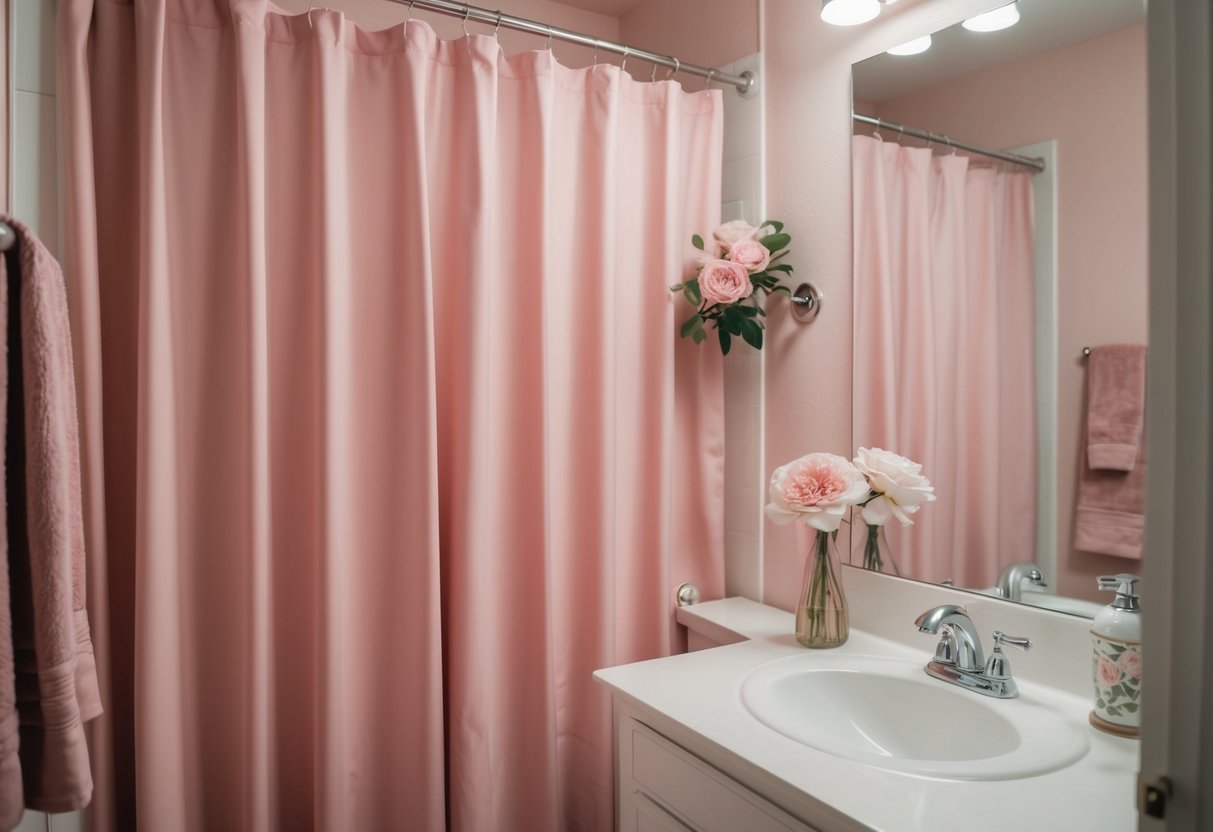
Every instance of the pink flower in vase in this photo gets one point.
(1130, 663)
(1107, 672)
(750, 254)
(733, 232)
(723, 282)
(816, 490)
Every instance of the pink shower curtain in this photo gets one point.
(944, 351)
(389, 438)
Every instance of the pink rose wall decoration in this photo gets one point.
(738, 268)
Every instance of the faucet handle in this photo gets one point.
(999, 667)
(1001, 638)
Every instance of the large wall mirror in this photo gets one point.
(1000, 235)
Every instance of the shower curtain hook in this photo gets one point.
(408, 15)
(549, 25)
(596, 42)
(653, 75)
(467, 10)
(708, 83)
(497, 28)
(674, 71)
(627, 50)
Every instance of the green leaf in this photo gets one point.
(1113, 710)
(733, 319)
(697, 241)
(774, 242)
(783, 290)
(786, 268)
(776, 224)
(724, 340)
(1099, 703)
(677, 287)
(748, 311)
(691, 292)
(699, 335)
(688, 326)
(1130, 707)
(752, 333)
(780, 255)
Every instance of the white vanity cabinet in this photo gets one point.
(663, 787)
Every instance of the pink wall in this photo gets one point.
(1091, 98)
(808, 368)
(380, 14)
(705, 32)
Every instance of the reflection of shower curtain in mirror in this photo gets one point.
(944, 351)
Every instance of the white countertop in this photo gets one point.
(700, 692)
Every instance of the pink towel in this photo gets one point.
(1110, 517)
(1116, 405)
(47, 658)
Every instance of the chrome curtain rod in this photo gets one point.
(743, 82)
(1035, 163)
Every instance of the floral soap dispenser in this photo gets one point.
(1116, 638)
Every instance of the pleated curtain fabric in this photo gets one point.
(945, 351)
(389, 437)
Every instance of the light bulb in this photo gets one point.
(849, 12)
(992, 21)
(912, 47)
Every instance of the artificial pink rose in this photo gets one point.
(711, 251)
(751, 254)
(1130, 663)
(898, 484)
(1108, 672)
(733, 232)
(723, 282)
(815, 489)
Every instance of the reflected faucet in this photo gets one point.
(1010, 580)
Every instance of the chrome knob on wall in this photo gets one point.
(806, 302)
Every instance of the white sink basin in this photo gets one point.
(889, 713)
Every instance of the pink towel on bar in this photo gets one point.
(46, 658)
(1116, 405)
(1110, 516)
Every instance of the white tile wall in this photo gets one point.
(743, 198)
(32, 137)
(33, 163)
(1044, 188)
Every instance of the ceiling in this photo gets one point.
(955, 51)
(613, 8)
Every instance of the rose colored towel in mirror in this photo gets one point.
(50, 649)
(1110, 515)
(1116, 405)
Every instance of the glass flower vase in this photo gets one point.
(872, 550)
(821, 614)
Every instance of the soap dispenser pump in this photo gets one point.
(1116, 639)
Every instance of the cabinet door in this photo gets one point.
(652, 818)
(698, 795)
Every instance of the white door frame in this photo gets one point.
(1177, 706)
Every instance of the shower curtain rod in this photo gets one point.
(743, 82)
(1037, 164)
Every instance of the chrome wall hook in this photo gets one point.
(806, 303)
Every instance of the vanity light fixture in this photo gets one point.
(849, 12)
(992, 21)
(912, 47)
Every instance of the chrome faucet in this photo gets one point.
(959, 659)
(1010, 580)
